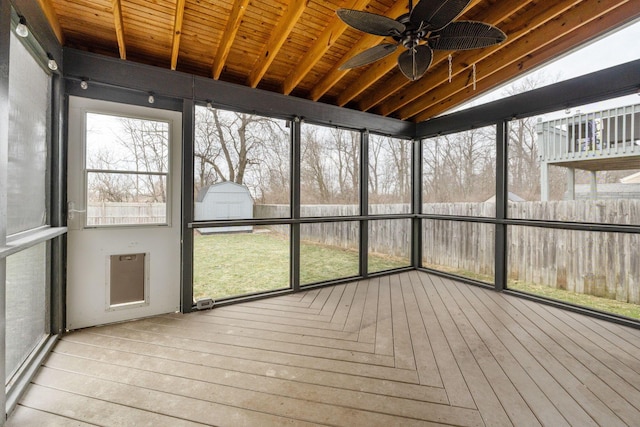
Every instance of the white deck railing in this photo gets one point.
(607, 133)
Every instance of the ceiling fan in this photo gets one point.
(427, 26)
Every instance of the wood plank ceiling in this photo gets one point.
(295, 47)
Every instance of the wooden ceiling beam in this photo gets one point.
(118, 22)
(365, 42)
(394, 101)
(519, 37)
(52, 18)
(376, 71)
(543, 35)
(596, 18)
(177, 32)
(276, 40)
(229, 34)
(368, 78)
(328, 37)
(536, 58)
(186, 27)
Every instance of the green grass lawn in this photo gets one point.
(242, 263)
(603, 304)
(237, 264)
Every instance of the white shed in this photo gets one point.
(224, 200)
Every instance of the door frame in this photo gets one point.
(89, 248)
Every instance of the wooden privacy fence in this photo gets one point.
(114, 213)
(459, 246)
(616, 211)
(594, 263)
(388, 237)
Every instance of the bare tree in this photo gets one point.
(433, 171)
(401, 154)
(314, 171)
(330, 166)
(107, 186)
(127, 159)
(242, 148)
(148, 143)
(389, 169)
(376, 164)
(345, 145)
(460, 167)
(272, 178)
(523, 151)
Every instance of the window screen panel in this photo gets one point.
(29, 87)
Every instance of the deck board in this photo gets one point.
(425, 359)
(540, 344)
(406, 349)
(485, 399)
(574, 359)
(511, 401)
(524, 373)
(384, 325)
(402, 345)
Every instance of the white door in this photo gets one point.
(123, 250)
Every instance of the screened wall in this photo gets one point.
(479, 190)
(336, 194)
(278, 244)
(542, 205)
(28, 240)
(577, 166)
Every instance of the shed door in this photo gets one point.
(123, 250)
(230, 206)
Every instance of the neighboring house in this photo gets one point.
(513, 197)
(613, 191)
(598, 141)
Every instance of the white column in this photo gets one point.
(593, 188)
(571, 184)
(544, 181)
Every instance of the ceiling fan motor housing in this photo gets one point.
(412, 34)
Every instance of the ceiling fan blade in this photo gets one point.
(370, 55)
(414, 62)
(434, 15)
(464, 35)
(370, 22)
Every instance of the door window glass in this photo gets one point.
(127, 168)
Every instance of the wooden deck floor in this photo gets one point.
(403, 350)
